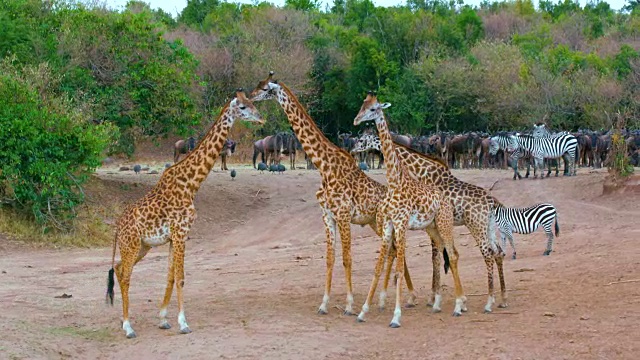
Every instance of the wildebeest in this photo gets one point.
(228, 148)
(183, 147)
(258, 148)
(273, 146)
(290, 145)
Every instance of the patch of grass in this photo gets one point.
(103, 335)
(92, 226)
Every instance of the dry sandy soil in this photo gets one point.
(255, 277)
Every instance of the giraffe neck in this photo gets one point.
(313, 141)
(195, 167)
(390, 156)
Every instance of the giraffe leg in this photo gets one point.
(503, 288)
(345, 237)
(383, 294)
(178, 267)
(491, 299)
(436, 288)
(123, 271)
(330, 229)
(411, 298)
(400, 238)
(384, 249)
(444, 235)
(164, 324)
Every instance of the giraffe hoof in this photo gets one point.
(322, 312)
(394, 325)
(436, 310)
(457, 314)
(409, 305)
(487, 311)
(503, 306)
(360, 320)
(165, 326)
(131, 335)
(185, 330)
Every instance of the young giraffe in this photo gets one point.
(473, 207)
(346, 196)
(409, 204)
(166, 213)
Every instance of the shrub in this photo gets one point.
(47, 148)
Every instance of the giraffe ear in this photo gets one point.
(385, 105)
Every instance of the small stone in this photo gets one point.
(584, 318)
(549, 314)
(153, 172)
(571, 341)
(4, 272)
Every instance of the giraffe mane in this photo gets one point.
(429, 157)
(303, 109)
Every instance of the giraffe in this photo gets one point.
(346, 196)
(409, 204)
(166, 213)
(473, 207)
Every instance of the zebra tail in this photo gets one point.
(447, 265)
(557, 228)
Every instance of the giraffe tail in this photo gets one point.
(110, 284)
(447, 265)
(110, 280)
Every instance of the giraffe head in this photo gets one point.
(371, 110)
(242, 108)
(266, 89)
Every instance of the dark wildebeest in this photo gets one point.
(401, 139)
(273, 146)
(420, 144)
(228, 148)
(183, 147)
(270, 146)
(258, 148)
(290, 146)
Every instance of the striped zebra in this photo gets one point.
(502, 142)
(541, 130)
(563, 145)
(525, 221)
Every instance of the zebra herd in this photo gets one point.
(481, 150)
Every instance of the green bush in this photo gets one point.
(47, 149)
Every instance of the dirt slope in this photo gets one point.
(255, 276)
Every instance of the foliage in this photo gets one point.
(47, 147)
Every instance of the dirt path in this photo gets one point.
(255, 276)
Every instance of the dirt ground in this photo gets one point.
(255, 273)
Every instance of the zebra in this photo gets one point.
(541, 130)
(525, 221)
(502, 141)
(563, 145)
